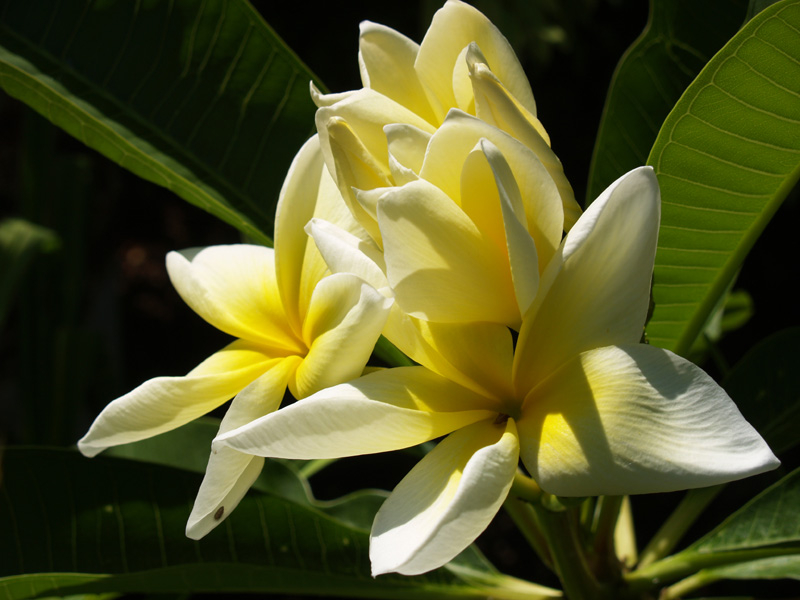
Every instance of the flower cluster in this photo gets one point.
(431, 209)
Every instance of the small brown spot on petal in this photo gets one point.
(219, 513)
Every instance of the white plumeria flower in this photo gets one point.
(295, 326)
(587, 408)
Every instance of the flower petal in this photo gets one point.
(635, 419)
(344, 321)
(495, 105)
(164, 403)
(477, 356)
(385, 410)
(345, 253)
(235, 289)
(446, 501)
(438, 262)
(308, 191)
(453, 27)
(596, 290)
(444, 167)
(386, 61)
(230, 473)
(522, 256)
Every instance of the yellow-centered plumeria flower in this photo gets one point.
(296, 326)
(376, 137)
(586, 408)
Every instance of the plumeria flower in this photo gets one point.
(295, 326)
(586, 408)
(479, 225)
(375, 137)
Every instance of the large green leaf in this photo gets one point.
(200, 97)
(766, 527)
(106, 524)
(765, 385)
(726, 157)
(767, 520)
(679, 39)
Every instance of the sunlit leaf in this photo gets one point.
(726, 157)
(776, 567)
(679, 39)
(200, 97)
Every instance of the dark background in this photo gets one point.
(98, 317)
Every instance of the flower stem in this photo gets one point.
(560, 530)
(667, 537)
(688, 585)
(315, 466)
(603, 545)
(524, 518)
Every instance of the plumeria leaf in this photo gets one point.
(766, 388)
(726, 157)
(200, 97)
(767, 520)
(776, 567)
(115, 525)
(680, 38)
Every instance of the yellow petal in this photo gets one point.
(477, 356)
(386, 60)
(438, 262)
(235, 289)
(446, 501)
(385, 410)
(635, 419)
(344, 321)
(496, 106)
(453, 28)
(164, 403)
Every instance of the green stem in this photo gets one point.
(561, 532)
(603, 546)
(667, 537)
(524, 518)
(688, 562)
(315, 466)
(688, 585)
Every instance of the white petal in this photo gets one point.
(446, 501)
(635, 419)
(596, 290)
(230, 473)
(386, 61)
(345, 253)
(235, 289)
(164, 403)
(344, 321)
(385, 410)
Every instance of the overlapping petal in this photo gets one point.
(438, 262)
(229, 473)
(446, 500)
(385, 410)
(234, 288)
(595, 291)
(164, 403)
(386, 60)
(635, 419)
(453, 28)
(343, 323)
